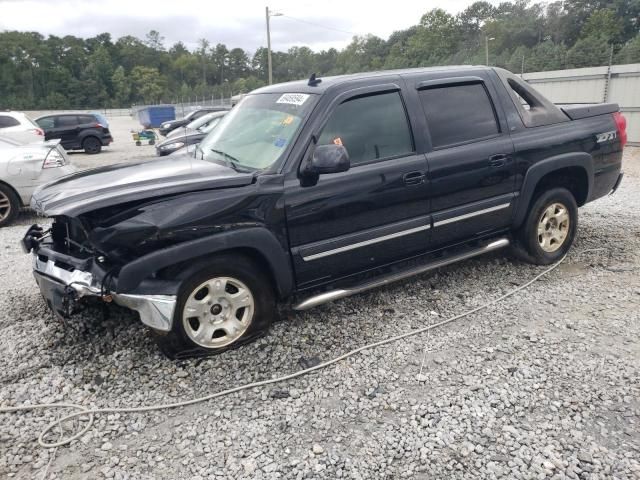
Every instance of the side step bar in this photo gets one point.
(387, 279)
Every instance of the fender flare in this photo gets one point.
(259, 239)
(540, 169)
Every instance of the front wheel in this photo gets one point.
(227, 304)
(550, 227)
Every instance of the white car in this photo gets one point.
(23, 168)
(18, 126)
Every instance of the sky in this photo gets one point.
(236, 23)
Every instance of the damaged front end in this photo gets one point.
(68, 267)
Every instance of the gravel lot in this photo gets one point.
(545, 384)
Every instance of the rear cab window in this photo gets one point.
(371, 128)
(458, 114)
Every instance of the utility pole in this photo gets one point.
(268, 16)
(486, 48)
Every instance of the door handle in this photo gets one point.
(498, 160)
(413, 178)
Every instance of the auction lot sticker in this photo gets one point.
(293, 98)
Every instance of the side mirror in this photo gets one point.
(329, 159)
(325, 159)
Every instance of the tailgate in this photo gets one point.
(576, 112)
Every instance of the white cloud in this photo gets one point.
(236, 23)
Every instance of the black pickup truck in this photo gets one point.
(311, 191)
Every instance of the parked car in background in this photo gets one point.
(77, 131)
(18, 126)
(170, 125)
(191, 134)
(23, 167)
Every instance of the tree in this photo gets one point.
(588, 52)
(204, 45)
(121, 87)
(154, 41)
(148, 84)
(71, 72)
(602, 23)
(436, 38)
(630, 53)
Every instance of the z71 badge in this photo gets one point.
(603, 137)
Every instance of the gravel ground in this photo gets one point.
(544, 384)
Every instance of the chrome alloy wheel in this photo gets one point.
(218, 312)
(553, 227)
(5, 206)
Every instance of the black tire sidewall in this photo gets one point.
(95, 141)
(529, 234)
(248, 273)
(14, 205)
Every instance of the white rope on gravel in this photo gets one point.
(91, 412)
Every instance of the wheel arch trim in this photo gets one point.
(257, 239)
(538, 170)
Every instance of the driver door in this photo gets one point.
(373, 214)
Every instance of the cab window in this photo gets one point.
(370, 128)
(459, 114)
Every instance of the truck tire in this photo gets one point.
(549, 228)
(228, 303)
(9, 205)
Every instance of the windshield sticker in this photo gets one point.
(280, 142)
(293, 98)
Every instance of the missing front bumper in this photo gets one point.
(60, 287)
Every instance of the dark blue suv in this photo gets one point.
(77, 131)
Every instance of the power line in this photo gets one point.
(318, 25)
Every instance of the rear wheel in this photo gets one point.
(91, 145)
(550, 227)
(228, 303)
(9, 205)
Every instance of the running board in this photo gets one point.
(394, 277)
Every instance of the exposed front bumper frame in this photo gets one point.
(156, 311)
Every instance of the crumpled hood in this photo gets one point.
(102, 187)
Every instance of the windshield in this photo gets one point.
(256, 132)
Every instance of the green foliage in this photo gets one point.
(70, 72)
(148, 84)
(630, 53)
(603, 23)
(588, 52)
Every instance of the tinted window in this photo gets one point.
(370, 128)
(458, 114)
(66, 121)
(6, 121)
(45, 122)
(86, 119)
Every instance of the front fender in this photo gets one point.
(258, 239)
(548, 165)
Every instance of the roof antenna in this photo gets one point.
(313, 81)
